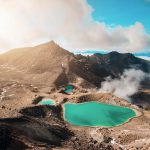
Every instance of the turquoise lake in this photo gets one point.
(97, 114)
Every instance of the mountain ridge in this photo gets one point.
(41, 73)
(49, 59)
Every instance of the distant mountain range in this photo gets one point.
(143, 55)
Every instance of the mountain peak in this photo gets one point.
(114, 53)
(49, 44)
(39, 57)
(52, 48)
(52, 42)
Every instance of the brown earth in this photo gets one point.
(34, 73)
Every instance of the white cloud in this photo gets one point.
(144, 57)
(127, 85)
(30, 22)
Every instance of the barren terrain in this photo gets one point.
(30, 74)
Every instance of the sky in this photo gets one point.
(122, 12)
(76, 25)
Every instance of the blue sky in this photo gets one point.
(122, 12)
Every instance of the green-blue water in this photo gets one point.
(97, 114)
(68, 89)
(47, 102)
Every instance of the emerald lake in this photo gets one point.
(68, 89)
(97, 114)
(47, 102)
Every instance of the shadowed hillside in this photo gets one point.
(29, 75)
(49, 63)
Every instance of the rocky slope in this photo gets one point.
(33, 73)
(113, 63)
(54, 65)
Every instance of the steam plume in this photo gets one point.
(127, 84)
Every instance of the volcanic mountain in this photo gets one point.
(36, 59)
(49, 63)
(41, 63)
(27, 75)
(115, 63)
